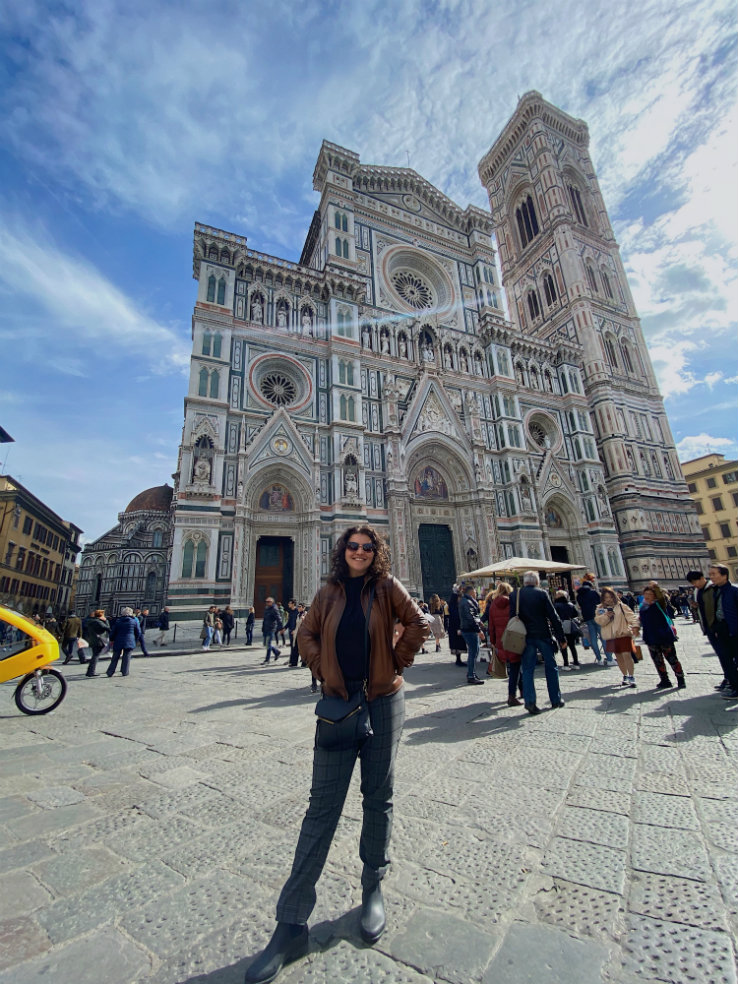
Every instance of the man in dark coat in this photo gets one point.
(539, 617)
(588, 599)
(725, 626)
(123, 638)
(270, 627)
(71, 632)
(456, 642)
(163, 626)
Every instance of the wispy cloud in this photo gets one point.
(66, 304)
(696, 445)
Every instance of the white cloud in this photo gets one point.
(671, 366)
(694, 446)
(74, 307)
(712, 378)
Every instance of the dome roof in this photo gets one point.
(157, 499)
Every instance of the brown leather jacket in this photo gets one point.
(316, 637)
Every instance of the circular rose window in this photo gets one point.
(279, 381)
(543, 431)
(278, 388)
(413, 289)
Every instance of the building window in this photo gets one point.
(27, 524)
(341, 372)
(214, 384)
(611, 353)
(724, 530)
(20, 559)
(194, 557)
(341, 222)
(627, 361)
(549, 289)
(717, 503)
(591, 278)
(692, 487)
(206, 343)
(730, 477)
(735, 498)
(711, 483)
(732, 551)
(202, 389)
(606, 284)
(525, 216)
(211, 287)
(158, 538)
(576, 204)
(221, 290)
(698, 508)
(706, 533)
(533, 305)
(711, 554)
(216, 346)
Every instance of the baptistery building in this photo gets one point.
(474, 383)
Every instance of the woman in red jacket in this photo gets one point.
(497, 615)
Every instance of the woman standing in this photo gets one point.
(435, 607)
(123, 638)
(658, 634)
(455, 638)
(568, 614)
(497, 615)
(250, 619)
(346, 640)
(96, 628)
(618, 624)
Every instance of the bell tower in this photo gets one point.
(564, 279)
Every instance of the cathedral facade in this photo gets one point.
(392, 377)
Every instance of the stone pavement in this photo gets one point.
(149, 822)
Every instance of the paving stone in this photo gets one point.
(593, 865)
(722, 811)
(442, 945)
(593, 825)
(76, 870)
(21, 893)
(607, 800)
(52, 822)
(113, 959)
(22, 855)
(722, 835)
(674, 952)
(147, 839)
(726, 869)
(21, 939)
(594, 780)
(676, 900)
(664, 811)
(221, 957)
(485, 895)
(542, 955)
(663, 782)
(608, 765)
(579, 909)
(669, 852)
(195, 910)
(12, 807)
(347, 962)
(77, 914)
(55, 796)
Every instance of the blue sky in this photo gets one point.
(124, 123)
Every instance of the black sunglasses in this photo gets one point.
(366, 547)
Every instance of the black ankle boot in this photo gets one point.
(373, 919)
(289, 942)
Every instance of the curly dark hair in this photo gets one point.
(380, 566)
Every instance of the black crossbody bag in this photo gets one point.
(344, 724)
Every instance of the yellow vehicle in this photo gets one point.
(26, 649)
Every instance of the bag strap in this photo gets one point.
(517, 602)
(668, 620)
(366, 636)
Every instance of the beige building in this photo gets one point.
(38, 550)
(713, 484)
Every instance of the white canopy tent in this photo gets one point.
(515, 565)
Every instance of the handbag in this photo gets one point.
(668, 622)
(344, 724)
(82, 644)
(496, 667)
(637, 653)
(514, 636)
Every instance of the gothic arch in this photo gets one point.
(441, 452)
(284, 474)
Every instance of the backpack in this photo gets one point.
(514, 636)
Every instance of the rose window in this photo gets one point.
(538, 434)
(278, 388)
(413, 289)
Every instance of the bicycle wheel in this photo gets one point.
(40, 694)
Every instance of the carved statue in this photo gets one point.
(307, 322)
(464, 362)
(257, 311)
(428, 353)
(202, 470)
(403, 348)
(448, 359)
(384, 343)
(366, 338)
(350, 484)
(281, 318)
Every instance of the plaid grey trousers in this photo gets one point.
(332, 772)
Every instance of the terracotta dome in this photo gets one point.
(158, 499)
